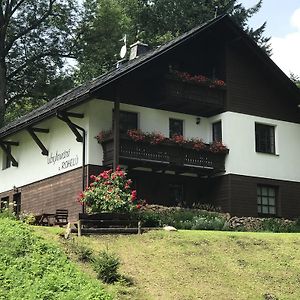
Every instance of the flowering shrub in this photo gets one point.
(198, 79)
(110, 192)
(218, 147)
(103, 134)
(136, 134)
(155, 138)
(178, 139)
(198, 144)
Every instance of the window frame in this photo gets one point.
(128, 113)
(4, 203)
(217, 136)
(260, 202)
(265, 138)
(171, 132)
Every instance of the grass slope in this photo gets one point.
(31, 268)
(206, 264)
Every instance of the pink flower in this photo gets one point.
(93, 177)
(133, 195)
(138, 206)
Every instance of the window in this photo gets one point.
(4, 203)
(266, 200)
(6, 163)
(217, 131)
(175, 127)
(128, 120)
(265, 138)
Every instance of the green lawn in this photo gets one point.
(203, 264)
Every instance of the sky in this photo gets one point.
(283, 26)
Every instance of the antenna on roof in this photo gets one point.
(124, 47)
(216, 10)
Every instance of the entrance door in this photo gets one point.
(176, 194)
(17, 204)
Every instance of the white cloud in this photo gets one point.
(286, 50)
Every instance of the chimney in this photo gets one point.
(137, 49)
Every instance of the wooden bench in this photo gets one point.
(102, 223)
(61, 217)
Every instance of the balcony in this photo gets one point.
(165, 156)
(204, 100)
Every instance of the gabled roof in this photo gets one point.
(85, 92)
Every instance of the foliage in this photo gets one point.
(206, 223)
(110, 192)
(82, 252)
(155, 138)
(154, 22)
(183, 219)
(31, 268)
(295, 78)
(35, 37)
(278, 225)
(106, 265)
(27, 218)
(7, 214)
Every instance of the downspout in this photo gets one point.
(69, 122)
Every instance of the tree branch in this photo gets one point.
(16, 7)
(32, 27)
(33, 58)
(28, 61)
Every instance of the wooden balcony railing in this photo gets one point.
(167, 155)
(203, 99)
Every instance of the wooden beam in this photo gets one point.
(74, 115)
(62, 116)
(116, 134)
(32, 131)
(6, 149)
(41, 130)
(10, 143)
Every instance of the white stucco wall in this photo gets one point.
(149, 120)
(65, 154)
(239, 135)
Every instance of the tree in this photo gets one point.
(35, 37)
(152, 21)
(295, 78)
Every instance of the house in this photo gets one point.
(212, 83)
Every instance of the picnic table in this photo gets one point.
(45, 219)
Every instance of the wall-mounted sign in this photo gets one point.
(64, 160)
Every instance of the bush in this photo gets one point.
(106, 265)
(27, 218)
(110, 192)
(183, 218)
(278, 225)
(7, 214)
(208, 223)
